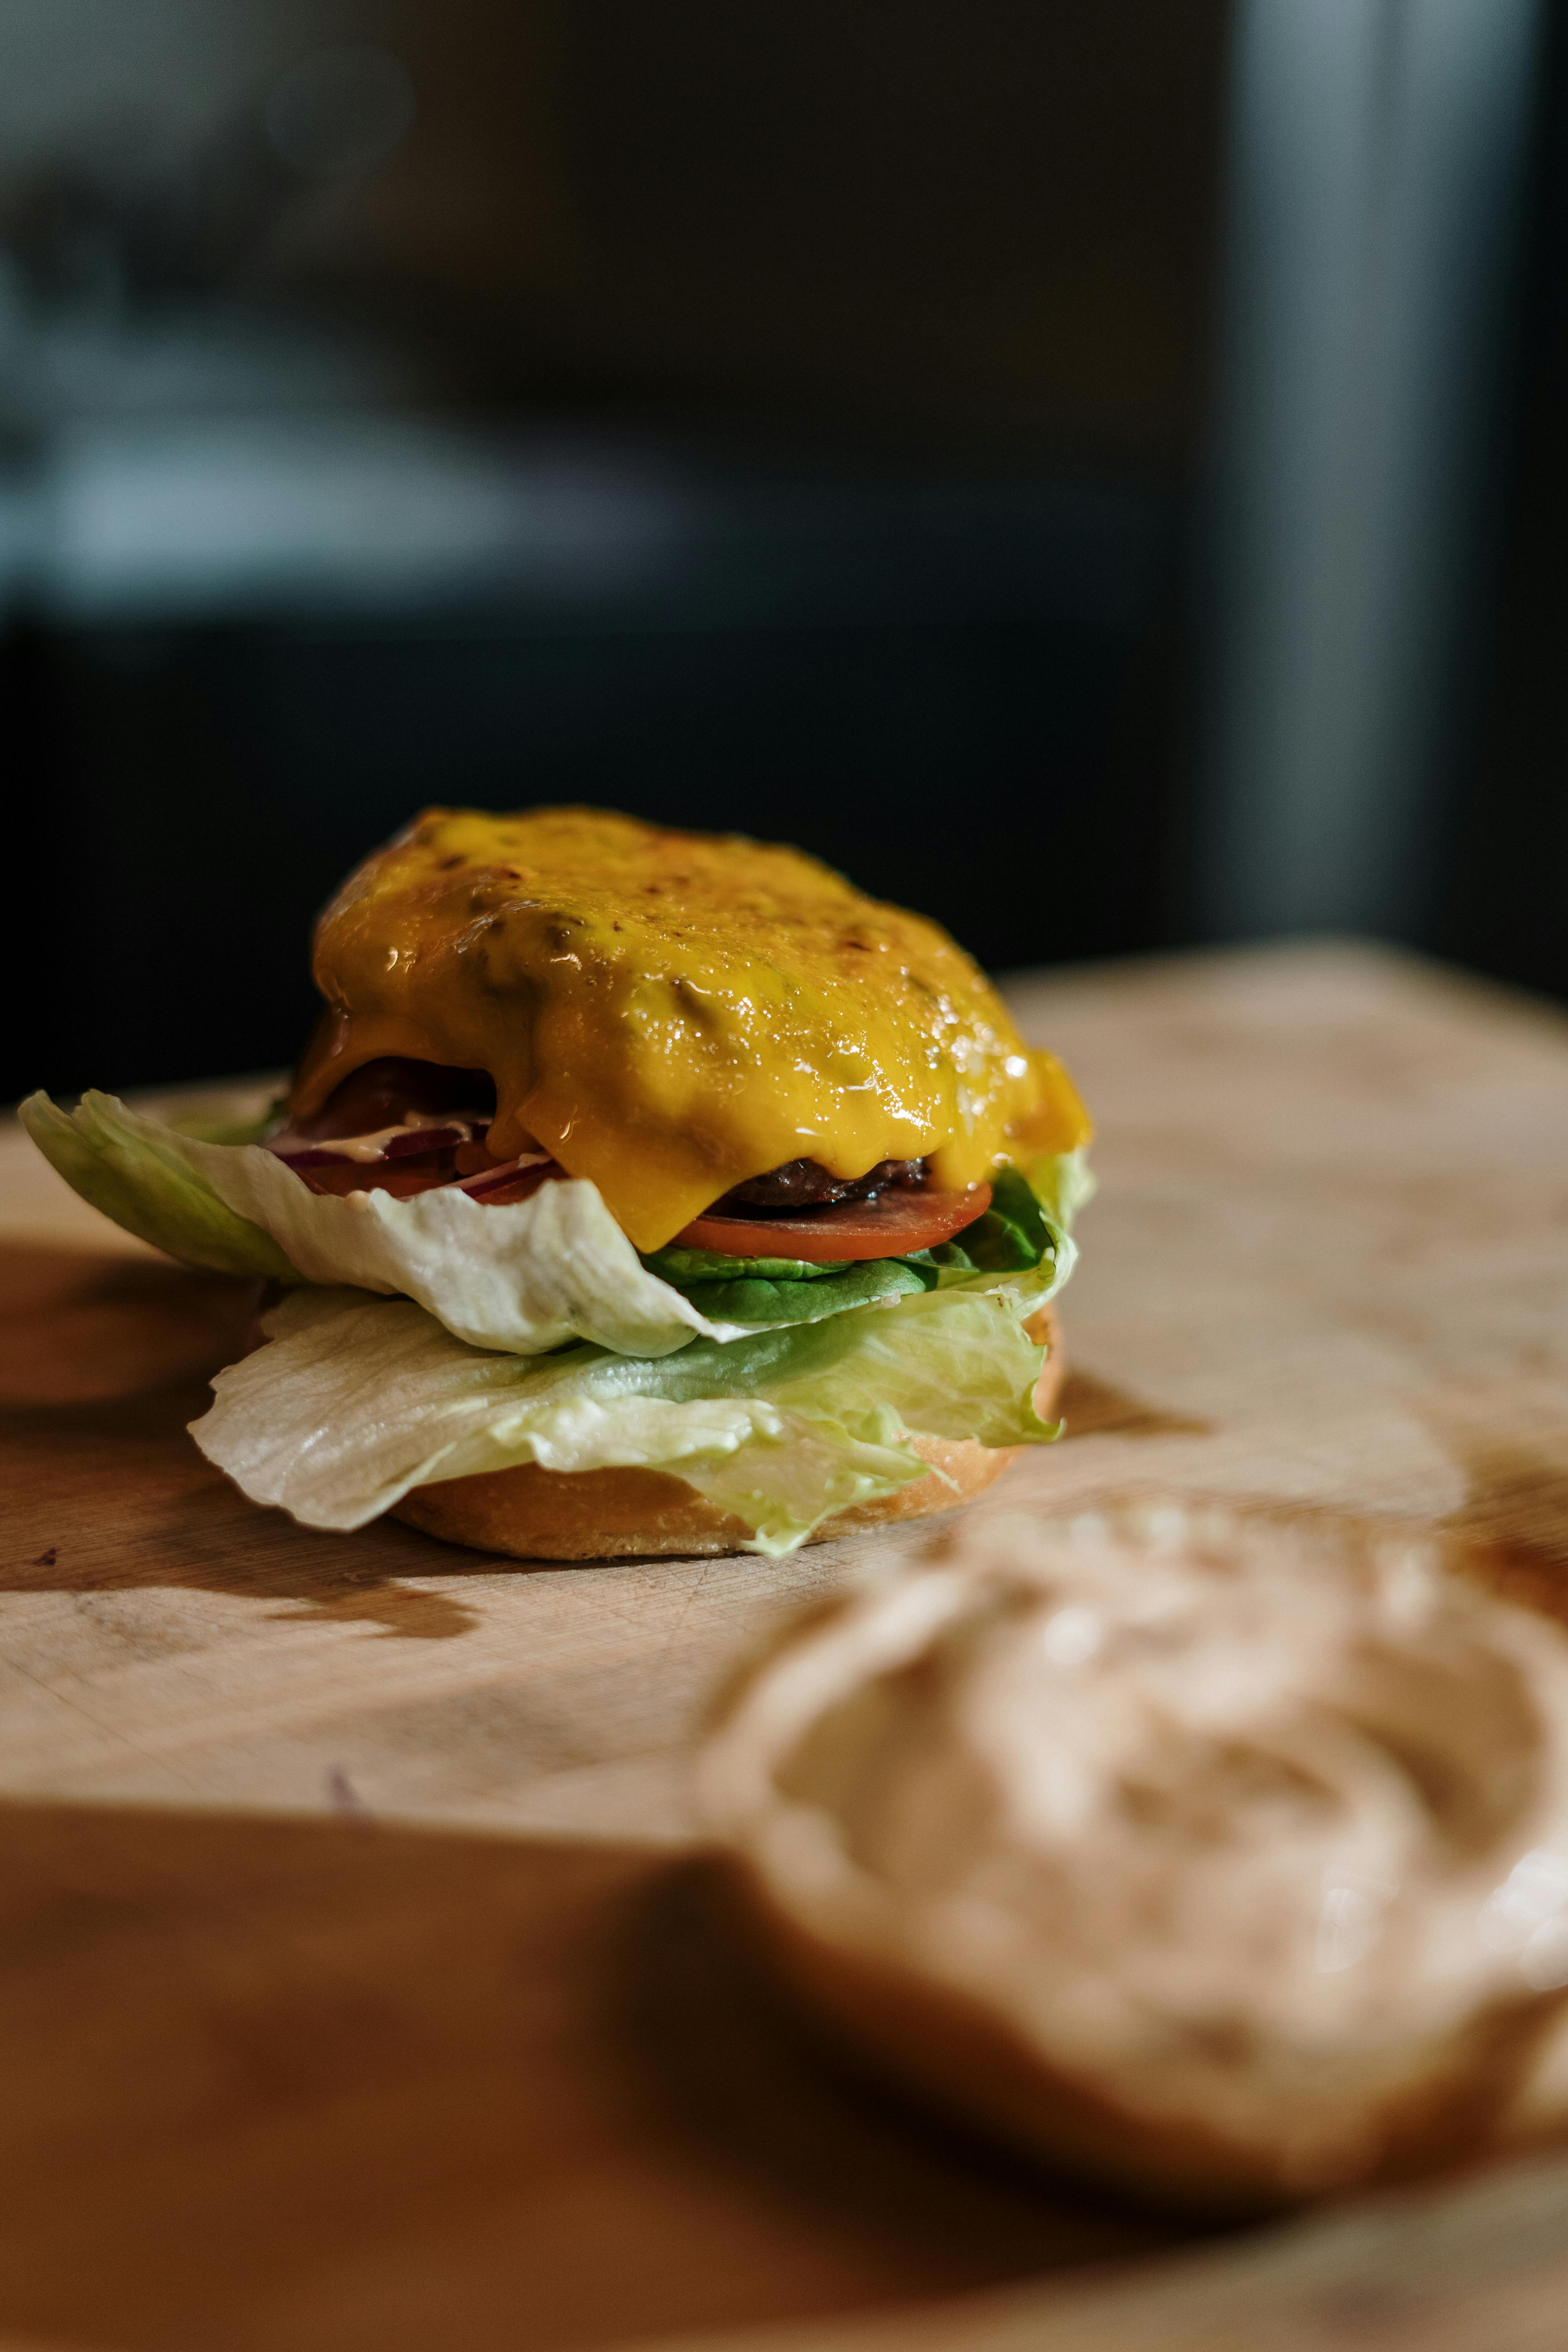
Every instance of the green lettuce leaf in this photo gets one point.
(685, 1267)
(760, 1290)
(1063, 1183)
(358, 1398)
(1011, 1236)
(755, 1300)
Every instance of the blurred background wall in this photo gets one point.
(1092, 474)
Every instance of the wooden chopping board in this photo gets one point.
(359, 1984)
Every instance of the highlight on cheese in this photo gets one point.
(618, 1146)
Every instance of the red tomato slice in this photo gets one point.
(889, 1227)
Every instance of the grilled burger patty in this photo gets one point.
(802, 1184)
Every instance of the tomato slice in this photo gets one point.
(889, 1227)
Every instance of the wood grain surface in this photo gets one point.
(360, 1983)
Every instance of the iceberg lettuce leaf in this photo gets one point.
(524, 1277)
(138, 1172)
(357, 1399)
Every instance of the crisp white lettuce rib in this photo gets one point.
(356, 1399)
(523, 1278)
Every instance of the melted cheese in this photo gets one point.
(672, 1014)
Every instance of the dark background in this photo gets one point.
(1504, 901)
(793, 417)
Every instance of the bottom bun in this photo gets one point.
(537, 1514)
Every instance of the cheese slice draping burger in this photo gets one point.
(640, 1191)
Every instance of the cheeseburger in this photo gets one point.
(639, 1191)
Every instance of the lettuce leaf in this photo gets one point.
(138, 1171)
(1062, 1184)
(524, 1279)
(686, 1267)
(754, 1299)
(358, 1398)
(1011, 1236)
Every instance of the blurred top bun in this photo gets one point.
(1223, 1860)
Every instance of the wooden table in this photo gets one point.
(360, 1983)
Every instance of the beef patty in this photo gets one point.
(802, 1184)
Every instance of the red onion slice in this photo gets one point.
(495, 1180)
(512, 1180)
